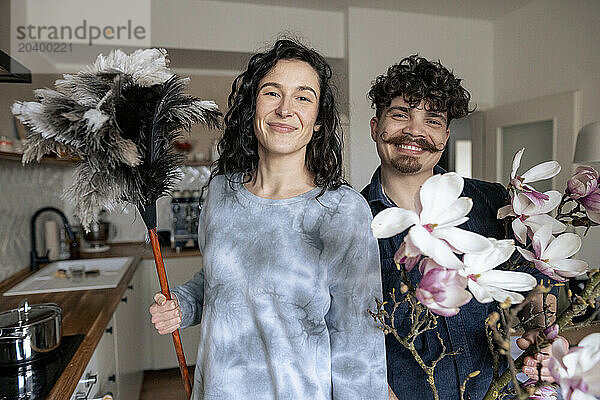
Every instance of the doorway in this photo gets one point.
(547, 126)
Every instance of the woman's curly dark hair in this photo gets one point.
(417, 79)
(238, 148)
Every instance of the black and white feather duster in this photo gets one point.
(121, 117)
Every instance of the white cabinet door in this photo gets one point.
(107, 367)
(162, 356)
(102, 365)
(128, 327)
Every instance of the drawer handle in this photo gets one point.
(107, 396)
(89, 380)
(83, 396)
(124, 299)
(109, 330)
(130, 287)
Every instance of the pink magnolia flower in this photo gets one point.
(442, 290)
(584, 182)
(542, 393)
(591, 203)
(407, 254)
(551, 332)
(552, 254)
(488, 284)
(433, 228)
(530, 217)
(577, 370)
(539, 172)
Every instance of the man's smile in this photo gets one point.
(411, 148)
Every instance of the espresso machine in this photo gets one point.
(185, 211)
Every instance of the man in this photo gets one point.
(415, 103)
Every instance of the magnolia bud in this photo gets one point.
(591, 203)
(584, 182)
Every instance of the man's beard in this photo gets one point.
(409, 164)
(406, 164)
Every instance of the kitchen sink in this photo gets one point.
(64, 276)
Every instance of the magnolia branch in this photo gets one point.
(576, 216)
(564, 321)
(422, 320)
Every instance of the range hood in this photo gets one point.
(13, 71)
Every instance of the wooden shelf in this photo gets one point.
(46, 160)
(70, 162)
(198, 163)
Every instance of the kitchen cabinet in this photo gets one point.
(102, 365)
(129, 350)
(88, 313)
(162, 352)
(117, 361)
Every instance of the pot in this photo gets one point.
(98, 233)
(29, 332)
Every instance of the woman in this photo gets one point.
(290, 264)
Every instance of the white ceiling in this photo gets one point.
(479, 9)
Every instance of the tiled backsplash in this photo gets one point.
(25, 189)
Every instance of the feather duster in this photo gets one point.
(121, 117)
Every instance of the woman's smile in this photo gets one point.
(281, 127)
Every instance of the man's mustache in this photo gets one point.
(422, 143)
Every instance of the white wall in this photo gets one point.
(547, 47)
(5, 26)
(223, 26)
(379, 38)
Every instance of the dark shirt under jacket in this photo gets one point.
(464, 332)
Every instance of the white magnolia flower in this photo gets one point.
(530, 216)
(488, 284)
(577, 370)
(552, 254)
(545, 170)
(433, 228)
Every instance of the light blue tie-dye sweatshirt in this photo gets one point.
(282, 298)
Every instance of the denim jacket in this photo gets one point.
(464, 332)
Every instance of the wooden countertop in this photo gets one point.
(144, 250)
(86, 312)
(575, 336)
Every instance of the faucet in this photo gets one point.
(35, 259)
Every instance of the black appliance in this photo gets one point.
(185, 211)
(33, 380)
(13, 71)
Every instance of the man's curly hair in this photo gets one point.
(417, 79)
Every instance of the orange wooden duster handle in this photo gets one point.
(164, 288)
